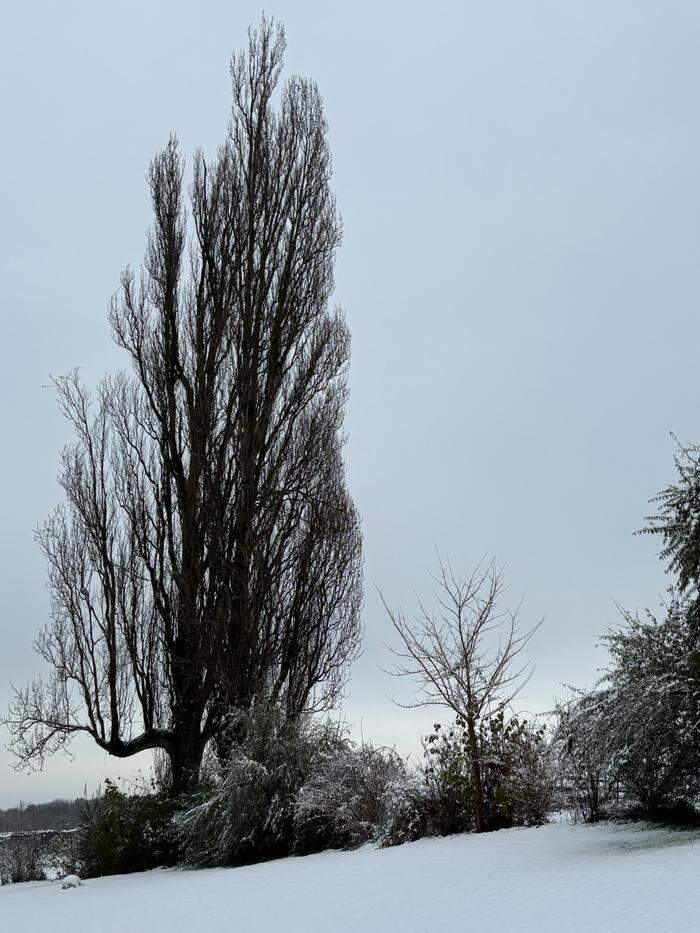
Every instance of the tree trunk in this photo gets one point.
(186, 762)
(479, 814)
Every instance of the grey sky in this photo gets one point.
(521, 200)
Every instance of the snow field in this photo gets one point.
(556, 877)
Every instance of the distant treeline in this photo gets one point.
(58, 814)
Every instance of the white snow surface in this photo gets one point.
(556, 877)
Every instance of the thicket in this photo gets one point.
(287, 787)
(517, 782)
(35, 856)
(300, 788)
(121, 833)
(348, 798)
(295, 788)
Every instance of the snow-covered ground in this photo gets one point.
(557, 877)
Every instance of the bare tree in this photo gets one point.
(208, 550)
(465, 656)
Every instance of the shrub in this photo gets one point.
(248, 814)
(344, 802)
(584, 756)
(20, 859)
(34, 856)
(447, 776)
(638, 732)
(122, 833)
(439, 800)
(654, 773)
(643, 720)
(518, 774)
(408, 812)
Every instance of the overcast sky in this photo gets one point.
(520, 190)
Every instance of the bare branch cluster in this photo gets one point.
(466, 655)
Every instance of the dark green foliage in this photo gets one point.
(447, 773)
(122, 833)
(516, 771)
(516, 777)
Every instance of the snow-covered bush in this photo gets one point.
(585, 757)
(248, 814)
(344, 801)
(248, 817)
(408, 812)
(34, 856)
(653, 704)
(121, 833)
(20, 858)
(635, 740)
